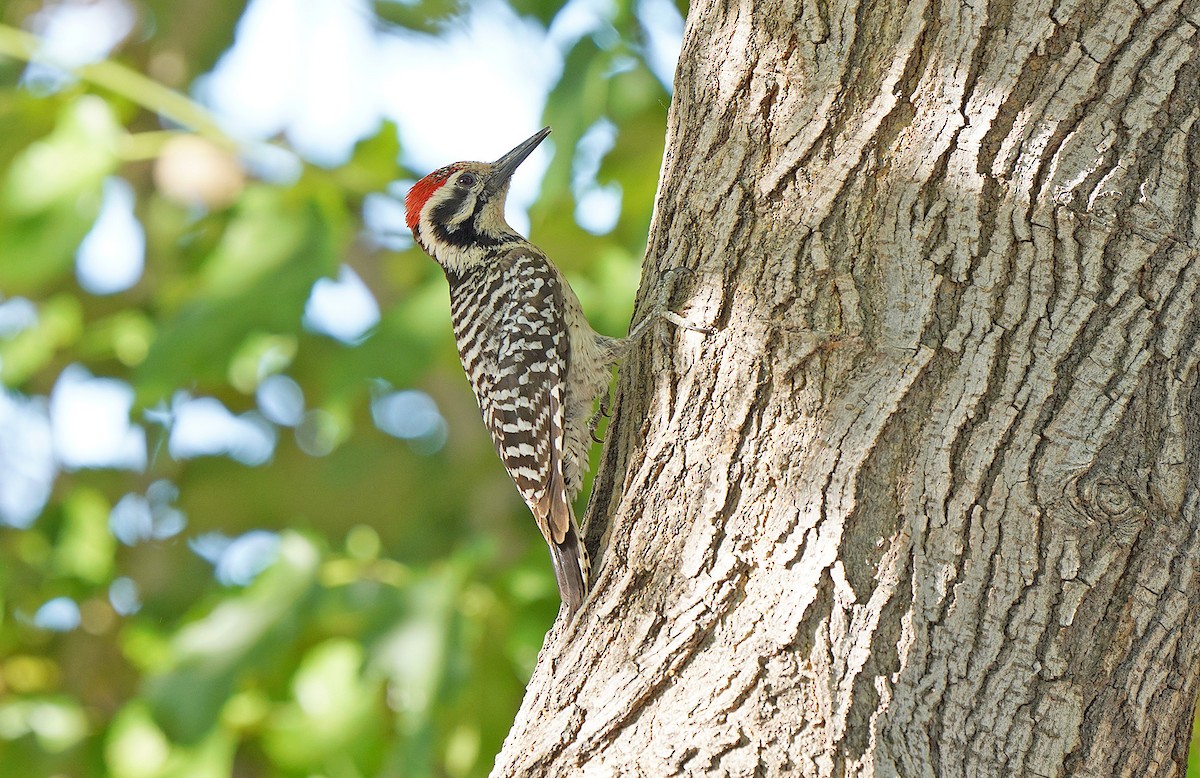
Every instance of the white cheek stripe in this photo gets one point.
(464, 213)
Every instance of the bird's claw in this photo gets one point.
(683, 323)
(594, 421)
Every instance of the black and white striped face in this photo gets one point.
(457, 201)
(458, 216)
(456, 213)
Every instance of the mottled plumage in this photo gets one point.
(535, 364)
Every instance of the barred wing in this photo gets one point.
(524, 407)
(521, 388)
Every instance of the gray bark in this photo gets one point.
(928, 504)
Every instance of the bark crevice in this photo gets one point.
(928, 503)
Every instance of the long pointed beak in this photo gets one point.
(503, 168)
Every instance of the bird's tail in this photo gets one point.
(571, 569)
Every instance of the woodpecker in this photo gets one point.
(535, 364)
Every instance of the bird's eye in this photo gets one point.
(466, 180)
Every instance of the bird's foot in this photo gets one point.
(683, 323)
(666, 315)
(594, 422)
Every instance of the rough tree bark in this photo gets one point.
(928, 503)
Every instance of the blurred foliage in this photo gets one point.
(409, 592)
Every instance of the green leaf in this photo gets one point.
(332, 706)
(59, 326)
(85, 547)
(374, 163)
(210, 655)
(73, 160)
(419, 15)
(38, 250)
(257, 282)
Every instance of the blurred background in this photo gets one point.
(250, 521)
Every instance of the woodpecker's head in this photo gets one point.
(456, 213)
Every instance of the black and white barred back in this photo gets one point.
(537, 367)
(511, 323)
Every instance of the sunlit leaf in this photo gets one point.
(398, 647)
(39, 249)
(418, 15)
(238, 302)
(265, 233)
(57, 723)
(72, 160)
(59, 325)
(374, 162)
(136, 747)
(85, 546)
(331, 707)
(212, 653)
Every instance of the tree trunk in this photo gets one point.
(928, 504)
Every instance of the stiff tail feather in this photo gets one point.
(571, 570)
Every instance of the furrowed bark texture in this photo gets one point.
(928, 503)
